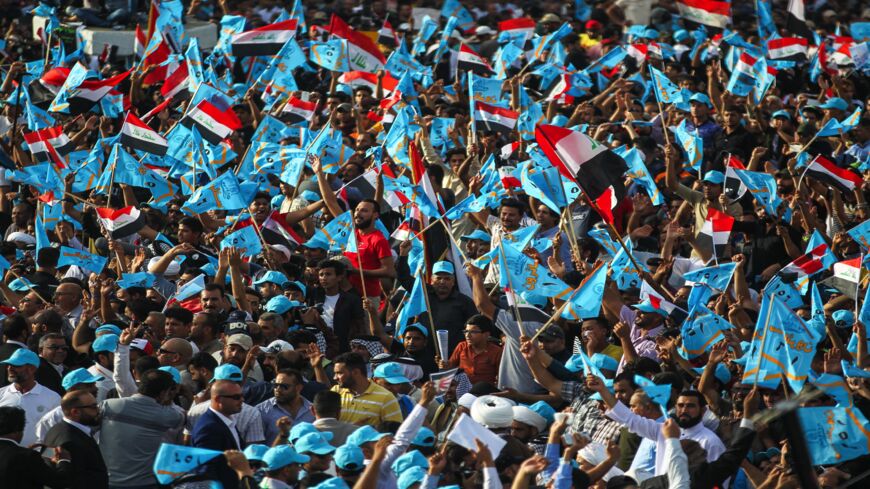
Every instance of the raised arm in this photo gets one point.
(326, 192)
(479, 294)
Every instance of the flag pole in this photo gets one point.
(764, 337)
(362, 279)
(29, 286)
(512, 291)
(450, 235)
(558, 311)
(858, 286)
(262, 241)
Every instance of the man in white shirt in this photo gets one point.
(26, 393)
(689, 411)
(104, 360)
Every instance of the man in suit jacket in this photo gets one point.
(327, 409)
(52, 353)
(23, 468)
(80, 414)
(216, 430)
(15, 332)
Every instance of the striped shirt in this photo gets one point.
(374, 406)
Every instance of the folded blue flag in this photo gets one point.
(81, 259)
(586, 300)
(716, 277)
(245, 240)
(173, 461)
(140, 279)
(414, 306)
(222, 193)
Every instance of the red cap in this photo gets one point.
(593, 25)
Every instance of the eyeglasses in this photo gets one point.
(470, 331)
(162, 351)
(235, 397)
(57, 347)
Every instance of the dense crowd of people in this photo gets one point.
(386, 244)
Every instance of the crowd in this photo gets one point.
(386, 244)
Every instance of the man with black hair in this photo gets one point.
(287, 408)
(22, 214)
(213, 300)
(178, 322)
(81, 414)
(327, 411)
(45, 276)
(15, 332)
(201, 369)
(477, 356)
(342, 311)
(363, 402)
(143, 417)
(21, 467)
(205, 332)
(53, 352)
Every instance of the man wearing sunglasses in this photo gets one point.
(216, 430)
(81, 414)
(287, 408)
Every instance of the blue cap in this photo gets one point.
(443, 267)
(22, 356)
(545, 410)
(646, 306)
(651, 33)
(333, 483)
(410, 459)
(20, 285)
(478, 235)
(228, 371)
(310, 195)
(282, 456)
(349, 457)
(272, 277)
(280, 304)
(314, 443)
(364, 434)
(419, 327)
(701, 98)
(391, 372)
(843, 318)
(106, 342)
(108, 328)
(681, 35)
(173, 372)
(411, 477)
(781, 113)
(298, 285)
(835, 103)
(78, 376)
(425, 438)
(255, 451)
(301, 429)
(603, 361)
(715, 177)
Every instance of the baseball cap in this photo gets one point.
(228, 371)
(592, 24)
(314, 443)
(646, 306)
(173, 372)
(545, 410)
(551, 17)
(680, 35)
(781, 113)
(256, 451)
(419, 327)
(409, 459)
(280, 304)
(843, 318)
(349, 457)
(282, 456)
(108, 328)
(142, 345)
(484, 31)
(364, 434)
(79, 376)
(391, 372)
(715, 177)
(272, 277)
(835, 103)
(333, 483)
(478, 235)
(278, 346)
(20, 284)
(443, 267)
(410, 477)
(301, 429)
(235, 327)
(297, 285)
(701, 98)
(552, 333)
(106, 342)
(242, 340)
(425, 438)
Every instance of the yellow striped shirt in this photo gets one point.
(373, 407)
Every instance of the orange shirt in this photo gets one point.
(480, 367)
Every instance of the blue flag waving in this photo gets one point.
(716, 277)
(522, 274)
(586, 301)
(834, 434)
(245, 240)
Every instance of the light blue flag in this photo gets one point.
(42, 240)
(763, 188)
(245, 240)
(692, 145)
(817, 311)
(81, 259)
(77, 75)
(401, 62)
(861, 234)
(334, 235)
(542, 183)
(763, 80)
(221, 193)
(194, 65)
(522, 237)
(831, 128)
(486, 90)
(332, 55)
(415, 194)
(638, 172)
(170, 22)
(602, 237)
(281, 66)
(471, 203)
(173, 461)
(834, 434)
(766, 26)
(665, 90)
(816, 240)
(586, 300)
(271, 130)
(834, 386)
(702, 330)
(452, 8)
(860, 31)
(414, 306)
(230, 24)
(787, 293)
(132, 280)
(624, 272)
(522, 274)
(716, 277)
(851, 122)
(852, 371)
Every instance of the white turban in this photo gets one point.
(493, 411)
(467, 400)
(529, 417)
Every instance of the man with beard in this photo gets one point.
(636, 326)
(26, 393)
(201, 369)
(689, 412)
(78, 380)
(287, 408)
(81, 414)
(363, 402)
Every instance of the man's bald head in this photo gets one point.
(68, 296)
(175, 351)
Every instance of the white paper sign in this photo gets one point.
(466, 430)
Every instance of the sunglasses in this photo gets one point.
(283, 386)
(162, 351)
(235, 397)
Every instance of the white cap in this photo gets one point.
(484, 30)
(20, 237)
(278, 346)
(529, 417)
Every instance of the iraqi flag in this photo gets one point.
(137, 135)
(824, 170)
(387, 35)
(54, 78)
(787, 49)
(213, 124)
(675, 312)
(298, 110)
(606, 203)
(363, 53)
(584, 160)
(49, 144)
(495, 118)
(82, 98)
(122, 222)
(715, 231)
(468, 60)
(276, 231)
(734, 186)
(355, 79)
(796, 21)
(264, 41)
(176, 83)
(559, 89)
(707, 12)
(522, 27)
